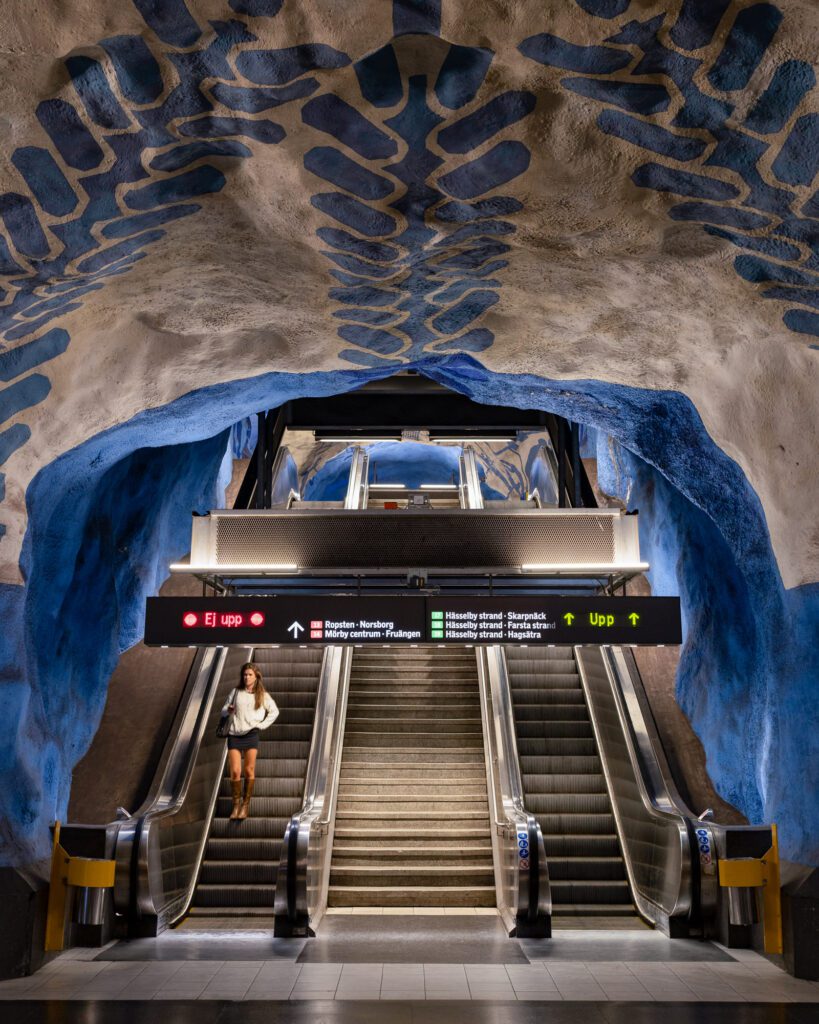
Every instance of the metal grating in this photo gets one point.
(391, 540)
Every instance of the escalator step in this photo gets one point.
(555, 730)
(263, 806)
(285, 748)
(556, 746)
(545, 696)
(568, 803)
(581, 824)
(552, 713)
(584, 782)
(228, 872)
(591, 892)
(281, 768)
(248, 849)
(593, 910)
(235, 896)
(546, 681)
(284, 786)
(558, 765)
(254, 827)
(579, 869)
(579, 845)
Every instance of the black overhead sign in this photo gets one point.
(262, 621)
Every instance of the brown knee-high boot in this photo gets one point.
(249, 783)
(236, 794)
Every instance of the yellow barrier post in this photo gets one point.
(82, 872)
(57, 895)
(772, 897)
(760, 873)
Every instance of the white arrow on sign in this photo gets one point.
(294, 628)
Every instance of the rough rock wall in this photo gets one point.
(209, 206)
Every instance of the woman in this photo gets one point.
(252, 710)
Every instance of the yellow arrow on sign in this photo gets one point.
(569, 618)
(634, 618)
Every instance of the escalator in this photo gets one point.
(238, 873)
(563, 783)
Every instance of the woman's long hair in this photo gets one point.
(259, 690)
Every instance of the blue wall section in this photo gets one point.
(750, 659)
(107, 517)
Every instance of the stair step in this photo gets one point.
(416, 835)
(393, 875)
(414, 777)
(380, 739)
(412, 896)
(381, 806)
(357, 819)
(368, 789)
(390, 722)
(396, 758)
(426, 855)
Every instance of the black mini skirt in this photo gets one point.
(247, 741)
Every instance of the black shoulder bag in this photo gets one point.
(223, 728)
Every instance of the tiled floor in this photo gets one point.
(748, 979)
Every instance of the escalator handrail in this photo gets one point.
(659, 797)
(328, 734)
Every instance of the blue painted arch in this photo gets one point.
(104, 521)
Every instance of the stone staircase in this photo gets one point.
(412, 820)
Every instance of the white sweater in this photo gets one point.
(246, 716)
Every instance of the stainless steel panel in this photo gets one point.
(650, 816)
(375, 539)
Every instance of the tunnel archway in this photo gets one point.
(122, 503)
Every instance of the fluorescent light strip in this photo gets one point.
(186, 567)
(356, 440)
(466, 440)
(584, 567)
(387, 487)
(438, 487)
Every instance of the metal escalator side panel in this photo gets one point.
(303, 875)
(152, 873)
(652, 830)
(521, 869)
(702, 839)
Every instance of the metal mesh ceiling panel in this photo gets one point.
(391, 540)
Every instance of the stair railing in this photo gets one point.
(521, 872)
(304, 868)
